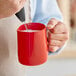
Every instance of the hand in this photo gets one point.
(57, 34)
(10, 7)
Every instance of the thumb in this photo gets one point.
(51, 24)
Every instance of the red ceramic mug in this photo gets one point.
(32, 46)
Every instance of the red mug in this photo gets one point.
(32, 46)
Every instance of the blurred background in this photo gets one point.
(63, 64)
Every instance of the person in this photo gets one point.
(42, 11)
(48, 13)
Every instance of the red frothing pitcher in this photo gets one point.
(32, 46)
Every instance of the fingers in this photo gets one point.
(53, 48)
(56, 26)
(52, 23)
(59, 28)
(57, 35)
(60, 37)
(56, 43)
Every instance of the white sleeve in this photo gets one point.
(43, 10)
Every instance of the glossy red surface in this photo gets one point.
(32, 46)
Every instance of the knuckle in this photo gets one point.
(67, 37)
(61, 44)
(51, 20)
(60, 23)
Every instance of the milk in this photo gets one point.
(29, 30)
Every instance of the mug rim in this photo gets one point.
(44, 27)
